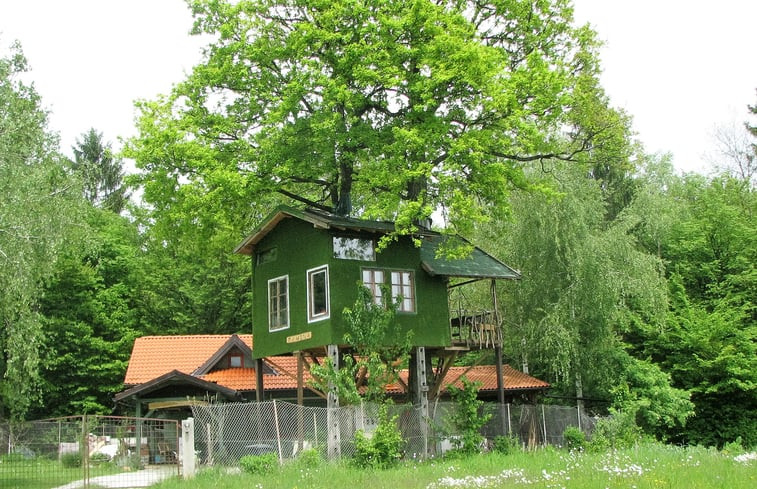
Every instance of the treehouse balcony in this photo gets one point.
(475, 330)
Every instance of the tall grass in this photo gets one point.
(650, 466)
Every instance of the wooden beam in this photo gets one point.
(259, 388)
(174, 404)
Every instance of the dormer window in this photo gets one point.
(236, 361)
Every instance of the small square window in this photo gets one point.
(235, 361)
(266, 256)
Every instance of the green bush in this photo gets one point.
(99, 458)
(13, 457)
(616, 431)
(71, 460)
(506, 444)
(309, 458)
(383, 449)
(574, 438)
(259, 464)
(734, 447)
(466, 419)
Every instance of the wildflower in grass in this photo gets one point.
(745, 458)
(481, 481)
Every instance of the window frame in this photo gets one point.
(369, 257)
(312, 315)
(373, 285)
(285, 279)
(403, 286)
(388, 273)
(234, 356)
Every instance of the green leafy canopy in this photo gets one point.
(387, 109)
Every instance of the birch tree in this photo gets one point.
(40, 211)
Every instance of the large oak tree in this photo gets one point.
(381, 108)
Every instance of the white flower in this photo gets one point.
(746, 457)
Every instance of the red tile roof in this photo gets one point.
(153, 356)
(486, 375)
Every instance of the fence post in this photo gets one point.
(278, 431)
(84, 450)
(209, 438)
(422, 394)
(332, 414)
(544, 420)
(188, 448)
(509, 422)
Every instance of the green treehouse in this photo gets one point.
(307, 265)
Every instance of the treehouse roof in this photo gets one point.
(477, 265)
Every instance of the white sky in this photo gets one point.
(679, 67)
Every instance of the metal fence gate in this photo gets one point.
(79, 451)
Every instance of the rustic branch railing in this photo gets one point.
(476, 329)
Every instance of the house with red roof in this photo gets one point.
(168, 374)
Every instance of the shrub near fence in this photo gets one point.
(51, 453)
(224, 433)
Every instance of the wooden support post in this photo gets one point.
(300, 369)
(500, 375)
(259, 388)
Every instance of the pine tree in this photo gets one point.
(100, 171)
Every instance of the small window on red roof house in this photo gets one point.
(235, 361)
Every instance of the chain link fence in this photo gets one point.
(77, 451)
(226, 432)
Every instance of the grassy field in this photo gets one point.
(649, 466)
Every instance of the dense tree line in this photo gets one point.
(639, 284)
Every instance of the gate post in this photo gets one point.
(188, 448)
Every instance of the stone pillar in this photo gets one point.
(188, 459)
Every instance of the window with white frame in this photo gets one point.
(278, 303)
(403, 290)
(401, 286)
(318, 293)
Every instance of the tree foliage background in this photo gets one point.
(639, 283)
(40, 212)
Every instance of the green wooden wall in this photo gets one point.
(301, 247)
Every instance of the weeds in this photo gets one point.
(645, 465)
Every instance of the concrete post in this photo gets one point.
(188, 457)
(334, 445)
(421, 400)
